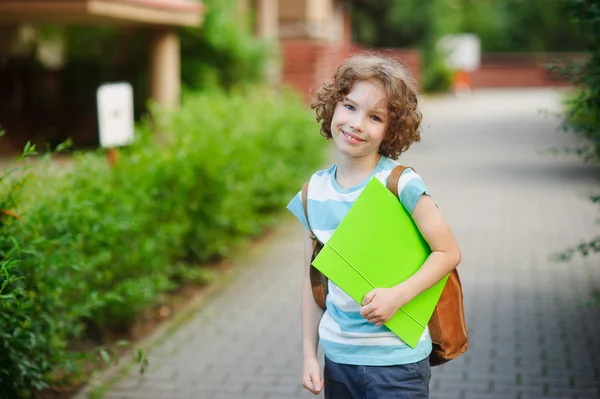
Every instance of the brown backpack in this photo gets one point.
(447, 326)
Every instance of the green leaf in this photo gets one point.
(105, 356)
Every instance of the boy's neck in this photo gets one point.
(352, 171)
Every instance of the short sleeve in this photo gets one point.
(295, 206)
(411, 187)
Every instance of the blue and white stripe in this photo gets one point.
(346, 337)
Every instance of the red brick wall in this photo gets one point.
(513, 76)
(303, 62)
(307, 63)
(520, 70)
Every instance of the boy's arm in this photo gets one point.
(311, 315)
(445, 252)
(380, 305)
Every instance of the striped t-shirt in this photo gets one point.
(347, 337)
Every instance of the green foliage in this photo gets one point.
(583, 111)
(437, 77)
(34, 324)
(257, 127)
(29, 344)
(531, 26)
(222, 53)
(516, 26)
(97, 244)
(414, 24)
(389, 23)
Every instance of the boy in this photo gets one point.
(369, 110)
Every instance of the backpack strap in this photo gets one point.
(318, 281)
(392, 183)
(305, 206)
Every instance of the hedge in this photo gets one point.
(96, 244)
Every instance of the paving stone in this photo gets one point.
(487, 395)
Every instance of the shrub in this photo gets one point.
(223, 52)
(97, 244)
(583, 111)
(30, 342)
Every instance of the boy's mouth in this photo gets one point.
(351, 138)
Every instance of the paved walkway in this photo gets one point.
(533, 335)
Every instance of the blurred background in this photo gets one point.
(55, 55)
(100, 244)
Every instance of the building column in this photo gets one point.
(165, 68)
(266, 27)
(267, 19)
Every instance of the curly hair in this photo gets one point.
(401, 92)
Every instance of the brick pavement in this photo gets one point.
(533, 335)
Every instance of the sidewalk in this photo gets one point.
(532, 333)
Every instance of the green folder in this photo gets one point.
(378, 245)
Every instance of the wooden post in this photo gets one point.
(165, 68)
(113, 155)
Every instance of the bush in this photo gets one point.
(100, 244)
(583, 111)
(437, 77)
(29, 343)
(223, 52)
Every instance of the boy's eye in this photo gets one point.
(376, 118)
(349, 107)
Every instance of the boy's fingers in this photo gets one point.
(313, 383)
(366, 311)
(307, 384)
(307, 381)
(372, 317)
(316, 382)
(368, 297)
(317, 385)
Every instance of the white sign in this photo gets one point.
(461, 51)
(115, 114)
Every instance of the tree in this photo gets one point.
(502, 25)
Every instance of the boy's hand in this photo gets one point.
(380, 304)
(311, 376)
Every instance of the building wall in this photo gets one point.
(313, 36)
(309, 19)
(521, 70)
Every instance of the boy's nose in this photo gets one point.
(357, 123)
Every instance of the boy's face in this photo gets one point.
(360, 120)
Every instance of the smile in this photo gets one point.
(351, 138)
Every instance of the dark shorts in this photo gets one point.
(344, 381)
